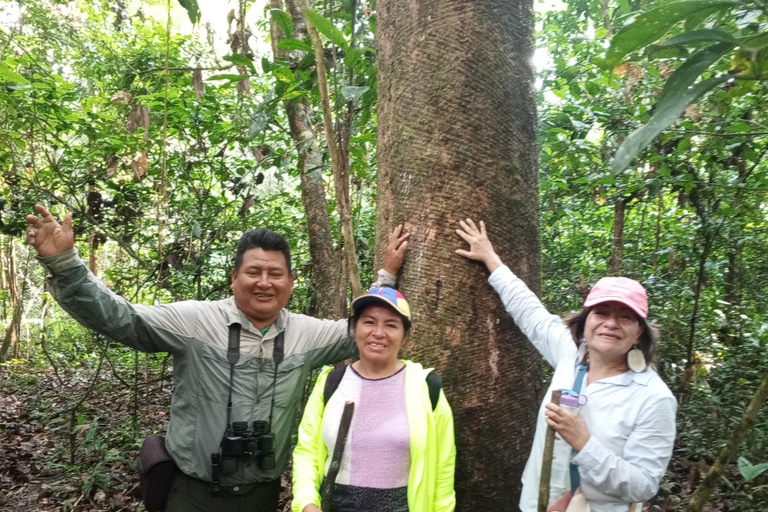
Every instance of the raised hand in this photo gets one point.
(46, 235)
(480, 248)
(396, 246)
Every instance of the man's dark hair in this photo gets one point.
(265, 240)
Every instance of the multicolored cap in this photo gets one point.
(619, 289)
(385, 294)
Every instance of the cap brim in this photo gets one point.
(368, 299)
(622, 300)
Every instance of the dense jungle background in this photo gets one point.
(168, 129)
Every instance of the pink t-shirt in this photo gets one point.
(377, 454)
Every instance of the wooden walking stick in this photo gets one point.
(546, 462)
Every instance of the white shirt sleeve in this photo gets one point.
(546, 331)
(635, 476)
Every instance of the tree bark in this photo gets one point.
(617, 251)
(330, 299)
(704, 491)
(338, 164)
(13, 332)
(456, 139)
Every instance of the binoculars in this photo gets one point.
(240, 442)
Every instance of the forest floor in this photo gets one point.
(37, 472)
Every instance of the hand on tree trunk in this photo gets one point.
(47, 236)
(396, 246)
(312, 508)
(480, 248)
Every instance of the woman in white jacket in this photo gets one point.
(622, 439)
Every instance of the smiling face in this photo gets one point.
(262, 286)
(379, 334)
(612, 329)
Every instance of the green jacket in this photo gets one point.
(196, 334)
(433, 452)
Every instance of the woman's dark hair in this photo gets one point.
(647, 343)
(352, 322)
(265, 240)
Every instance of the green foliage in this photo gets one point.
(328, 29)
(650, 26)
(750, 472)
(679, 91)
(193, 10)
(284, 21)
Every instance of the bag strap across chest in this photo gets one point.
(434, 384)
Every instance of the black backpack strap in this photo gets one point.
(233, 348)
(434, 383)
(332, 382)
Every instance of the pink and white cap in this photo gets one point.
(619, 289)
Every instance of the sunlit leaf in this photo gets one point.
(283, 20)
(193, 10)
(651, 25)
(328, 29)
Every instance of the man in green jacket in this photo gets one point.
(197, 334)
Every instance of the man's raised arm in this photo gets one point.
(92, 304)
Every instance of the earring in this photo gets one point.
(636, 360)
(583, 353)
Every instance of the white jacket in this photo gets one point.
(631, 417)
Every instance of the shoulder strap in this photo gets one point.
(332, 382)
(233, 349)
(278, 349)
(434, 383)
(578, 383)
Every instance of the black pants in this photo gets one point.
(192, 495)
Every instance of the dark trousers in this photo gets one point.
(192, 495)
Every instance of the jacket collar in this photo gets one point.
(234, 315)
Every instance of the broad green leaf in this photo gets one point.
(284, 75)
(624, 6)
(750, 472)
(266, 65)
(697, 18)
(353, 92)
(651, 25)
(293, 94)
(193, 10)
(241, 60)
(697, 36)
(755, 43)
(328, 29)
(294, 44)
(691, 69)
(283, 20)
(228, 76)
(674, 106)
(9, 76)
(352, 57)
(739, 127)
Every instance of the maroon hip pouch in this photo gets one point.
(157, 471)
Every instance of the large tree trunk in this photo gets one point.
(330, 299)
(457, 132)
